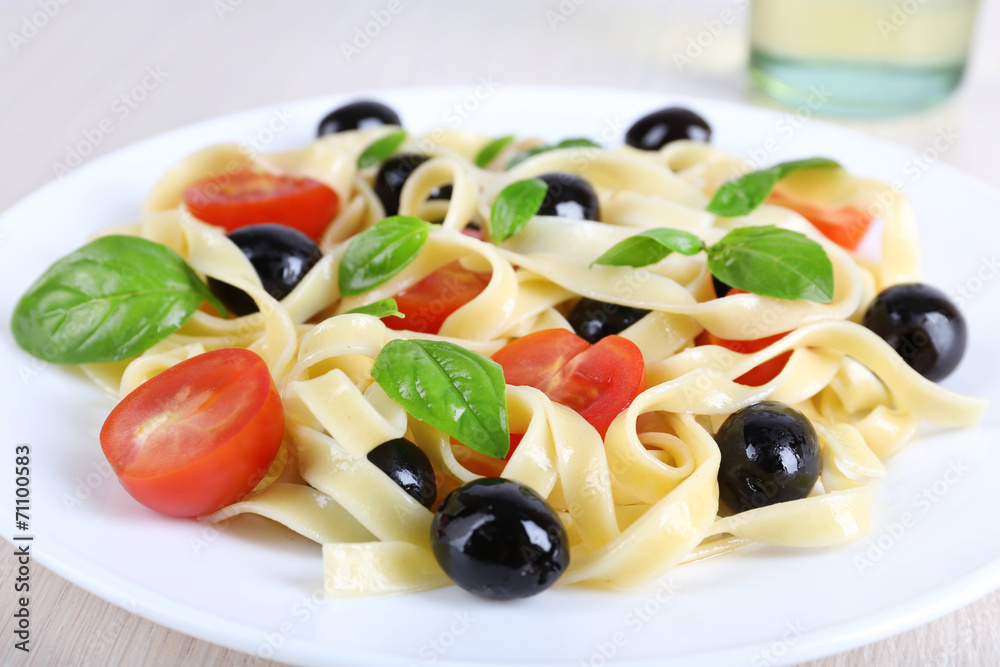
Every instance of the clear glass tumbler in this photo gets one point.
(863, 58)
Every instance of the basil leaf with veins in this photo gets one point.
(380, 252)
(110, 300)
(515, 206)
(742, 195)
(457, 391)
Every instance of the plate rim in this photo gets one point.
(933, 604)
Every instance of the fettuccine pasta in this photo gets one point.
(640, 500)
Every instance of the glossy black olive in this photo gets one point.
(281, 256)
(361, 115)
(657, 129)
(409, 467)
(392, 176)
(593, 320)
(569, 196)
(499, 539)
(922, 325)
(770, 454)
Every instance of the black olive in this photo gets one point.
(498, 539)
(361, 115)
(770, 454)
(392, 176)
(657, 129)
(721, 288)
(569, 196)
(922, 325)
(593, 320)
(281, 255)
(409, 467)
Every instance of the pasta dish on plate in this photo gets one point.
(503, 363)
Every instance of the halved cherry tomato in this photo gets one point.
(198, 436)
(487, 466)
(428, 303)
(757, 375)
(844, 225)
(249, 197)
(597, 381)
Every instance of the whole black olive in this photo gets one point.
(770, 454)
(657, 129)
(361, 115)
(593, 320)
(569, 196)
(392, 176)
(280, 255)
(409, 467)
(922, 325)
(498, 539)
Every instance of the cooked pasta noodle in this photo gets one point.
(639, 501)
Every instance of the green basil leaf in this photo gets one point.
(774, 262)
(649, 247)
(491, 150)
(515, 206)
(744, 194)
(578, 142)
(380, 309)
(380, 149)
(455, 390)
(110, 300)
(380, 252)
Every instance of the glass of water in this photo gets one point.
(864, 58)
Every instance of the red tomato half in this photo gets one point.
(757, 375)
(597, 381)
(250, 198)
(428, 303)
(487, 466)
(845, 225)
(198, 436)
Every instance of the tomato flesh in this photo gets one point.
(597, 381)
(428, 303)
(844, 225)
(480, 464)
(198, 436)
(757, 375)
(249, 197)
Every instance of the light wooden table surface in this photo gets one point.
(63, 64)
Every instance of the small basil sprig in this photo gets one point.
(491, 150)
(650, 246)
(576, 142)
(380, 309)
(380, 252)
(455, 390)
(764, 260)
(515, 206)
(110, 300)
(774, 262)
(379, 150)
(744, 194)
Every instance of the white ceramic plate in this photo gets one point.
(256, 588)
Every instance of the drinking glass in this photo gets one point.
(863, 58)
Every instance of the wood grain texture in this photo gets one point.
(220, 57)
